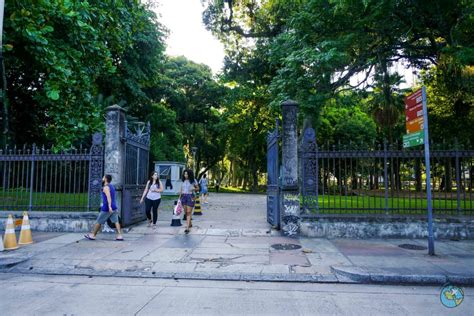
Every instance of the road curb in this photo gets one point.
(8, 262)
(379, 276)
(251, 277)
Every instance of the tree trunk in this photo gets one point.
(418, 175)
(255, 179)
(448, 176)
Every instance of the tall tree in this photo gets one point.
(63, 54)
(317, 47)
(190, 90)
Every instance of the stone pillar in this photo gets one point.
(290, 203)
(114, 146)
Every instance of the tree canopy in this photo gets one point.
(66, 61)
(315, 48)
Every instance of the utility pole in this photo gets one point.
(3, 86)
(194, 150)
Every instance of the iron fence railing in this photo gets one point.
(38, 179)
(342, 180)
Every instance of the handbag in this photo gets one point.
(178, 209)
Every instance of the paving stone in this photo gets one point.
(276, 268)
(318, 245)
(183, 241)
(223, 232)
(174, 267)
(249, 246)
(167, 254)
(256, 232)
(289, 258)
(232, 250)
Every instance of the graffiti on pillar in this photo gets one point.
(290, 225)
(291, 204)
(290, 151)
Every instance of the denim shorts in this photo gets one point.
(104, 216)
(187, 200)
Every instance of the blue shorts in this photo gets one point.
(204, 190)
(104, 216)
(187, 200)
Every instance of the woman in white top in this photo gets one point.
(152, 196)
(186, 195)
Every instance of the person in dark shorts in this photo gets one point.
(108, 210)
(186, 195)
(152, 196)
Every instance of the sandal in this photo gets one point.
(119, 239)
(186, 231)
(88, 236)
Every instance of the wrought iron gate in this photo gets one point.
(273, 172)
(137, 148)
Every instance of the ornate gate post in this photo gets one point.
(114, 156)
(290, 202)
(95, 172)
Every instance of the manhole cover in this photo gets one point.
(286, 246)
(412, 247)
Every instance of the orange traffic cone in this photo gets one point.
(25, 234)
(10, 237)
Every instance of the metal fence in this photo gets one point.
(37, 179)
(384, 180)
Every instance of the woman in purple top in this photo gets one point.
(186, 195)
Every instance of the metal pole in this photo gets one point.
(193, 151)
(458, 182)
(431, 250)
(385, 174)
(3, 85)
(2, 6)
(30, 207)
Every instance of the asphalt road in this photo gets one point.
(78, 295)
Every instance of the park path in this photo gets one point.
(234, 213)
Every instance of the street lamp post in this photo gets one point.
(3, 85)
(193, 151)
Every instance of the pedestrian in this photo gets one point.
(203, 184)
(168, 183)
(152, 196)
(107, 211)
(217, 186)
(186, 195)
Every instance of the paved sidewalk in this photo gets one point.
(232, 241)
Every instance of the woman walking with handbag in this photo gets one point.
(186, 195)
(152, 196)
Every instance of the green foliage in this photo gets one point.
(346, 124)
(451, 103)
(190, 90)
(166, 137)
(313, 48)
(62, 54)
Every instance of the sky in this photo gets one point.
(188, 36)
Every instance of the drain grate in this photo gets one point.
(286, 246)
(412, 247)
